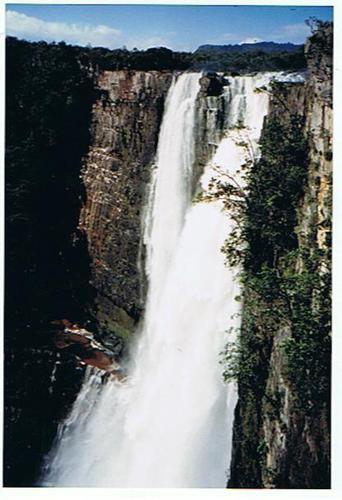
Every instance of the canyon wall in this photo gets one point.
(73, 243)
(48, 111)
(81, 261)
(117, 169)
(75, 193)
(116, 173)
(282, 420)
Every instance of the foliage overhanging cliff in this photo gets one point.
(283, 244)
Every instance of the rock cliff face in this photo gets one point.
(124, 132)
(117, 162)
(282, 435)
(210, 121)
(299, 444)
(117, 169)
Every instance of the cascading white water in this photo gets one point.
(170, 423)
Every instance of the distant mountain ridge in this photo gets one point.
(267, 47)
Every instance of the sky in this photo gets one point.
(178, 27)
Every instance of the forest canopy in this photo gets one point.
(161, 58)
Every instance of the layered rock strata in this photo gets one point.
(298, 443)
(124, 131)
(278, 443)
(116, 172)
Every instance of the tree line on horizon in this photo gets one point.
(98, 59)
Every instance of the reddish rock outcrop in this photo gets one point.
(82, 344)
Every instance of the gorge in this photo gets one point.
(174, 394)
(142, 259)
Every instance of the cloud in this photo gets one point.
(251, 40)
(295, 33)
(233, 38)
(29, 27)
(292, 33)
(32, 28)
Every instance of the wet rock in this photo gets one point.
(210, 125)
(82, 344)
(212, 84)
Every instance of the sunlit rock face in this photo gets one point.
(124, 131)
(117, 169)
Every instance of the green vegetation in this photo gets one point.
(48, 104)
(282, 283)
(308, 348)
(255, 61)
(285, 293)
(320, 45)
(282, 355)
(274, 185)
(286, 285)
(160, 58)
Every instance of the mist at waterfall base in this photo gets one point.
(170, 423)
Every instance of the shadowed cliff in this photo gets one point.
(282, 420)
(48, 106)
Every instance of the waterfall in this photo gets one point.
(170, 423)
